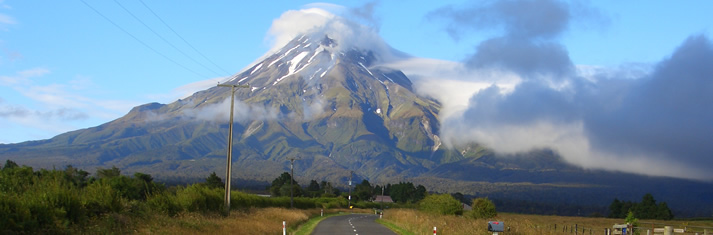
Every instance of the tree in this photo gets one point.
(615, 209)
(281, 186)
(419, 194)
(77, 176)
(213, 181)
(143, 177)
(108, 173)
(443, 204)
(647, 208)
(9, 165)
(459, 196)
(663, 212)
(630, 219)
(313, 189)
(313, 186)
(329, 190)
(363, 191)
(483, 208)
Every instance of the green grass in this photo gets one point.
(393, 227)
(307, 227)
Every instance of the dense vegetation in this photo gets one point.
(69, 200)
(646, 209)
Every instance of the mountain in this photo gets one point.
(336, 109)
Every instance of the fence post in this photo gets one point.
(284, 231)
(321, 212)
(576, 227)
(667, 230)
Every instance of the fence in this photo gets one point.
(663, 229)
(654, 229)
(573, 229)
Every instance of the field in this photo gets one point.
(252, 221)
(418, 222)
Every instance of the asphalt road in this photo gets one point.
(354, 224)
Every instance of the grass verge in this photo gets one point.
(308, 226)
(396, 229)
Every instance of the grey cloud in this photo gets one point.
(367, 14)
(518, 18)
(9, 111)
(526, 45)
(522, 56)
(663, 117)
(669, 112)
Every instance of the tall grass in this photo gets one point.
(418, 222)
(67, 202)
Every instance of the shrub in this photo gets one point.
(199, 198)
(443, 204)
(483, 208)
(99, 197)
(165, 203)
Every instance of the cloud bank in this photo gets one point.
(655, 122)
(350, 27)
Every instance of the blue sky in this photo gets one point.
(64, 67)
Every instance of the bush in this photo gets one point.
(443, 204)
(165, 203)
(483, 208)
(199, 198)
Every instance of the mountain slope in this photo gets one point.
(336, 110)
(333, 109)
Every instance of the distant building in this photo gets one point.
(386, 199)
(466, 207)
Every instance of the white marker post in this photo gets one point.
(434, 230)
(321, 212)
(284, 231)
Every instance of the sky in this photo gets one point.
(601, 73)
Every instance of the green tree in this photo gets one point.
(77, 176)
(630, 219)
(213, 181)
(647, 209)
(363, 191)
(281, 186)
(459, 196)
(406, 192)
(615, 209)
(328, 189)
(419, 194)
(443, 204)
(9, 164)
(313, 189)
(663, 212)
(483, 208)
(108, 173)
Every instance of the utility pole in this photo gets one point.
(229, 164)
(350, 189)
(292, 175)
(382, 198)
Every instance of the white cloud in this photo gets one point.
(348, 33)
(242, 112)
(187, 90)
(45, 109)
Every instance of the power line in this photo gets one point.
(164, 39)
(139, 40)
(184, 40)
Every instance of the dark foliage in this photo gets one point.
(646, 209)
